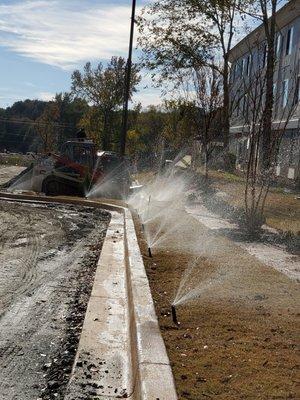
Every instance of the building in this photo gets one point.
(248, 64)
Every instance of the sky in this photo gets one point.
(43, 41)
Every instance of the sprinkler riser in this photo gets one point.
(174, 315)
(149, 252)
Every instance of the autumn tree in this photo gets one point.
(181, 34)
(179, 130)
(48, 127)
(103, 88)
(71, 111)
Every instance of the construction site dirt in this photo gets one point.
(48, 257)
(237, 338)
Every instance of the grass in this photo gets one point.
(282, 209)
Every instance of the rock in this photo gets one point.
(226, 379)
(260, 297)
(53, 384)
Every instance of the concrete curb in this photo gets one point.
(154, 373)
(121, 353)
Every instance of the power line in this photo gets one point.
(17, 121)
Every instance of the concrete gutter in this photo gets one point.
(121, 353)
(154, 374)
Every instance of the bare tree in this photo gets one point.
(254, 89)
(208, 110)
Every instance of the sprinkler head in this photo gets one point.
(174, 316)
(149, 252)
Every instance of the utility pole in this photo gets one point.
(127, 83)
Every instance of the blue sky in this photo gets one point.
(43, 41)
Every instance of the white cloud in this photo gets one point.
(148, 98)
(64, 33)
(46, 96)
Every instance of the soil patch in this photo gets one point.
(238, 338)
(48, 257)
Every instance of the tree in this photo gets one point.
(258, 180)
(179, 130)
(71, 111)
(135, 145)
(104, 89)
(207, 115)
(92, 123)
(269, 24)
(181, 34)
(150, 124)
(265, 12)
(48, 127)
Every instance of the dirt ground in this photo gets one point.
(7, 172)
(238, 338)
(48, 256)
(282, 209)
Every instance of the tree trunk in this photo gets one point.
(206, 163)
(266, 149)
(226, 113)
(105, 136)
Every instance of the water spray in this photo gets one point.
(174, 315)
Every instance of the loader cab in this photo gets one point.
(81, 152)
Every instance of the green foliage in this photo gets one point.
(48, 128)
(24, 123)
(177, 35)
(103, 88)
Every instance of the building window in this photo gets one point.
(278, 44)
(234, 71)
(265, 55)
(289, 41)
(238, 105)
(245, 104)
(285, 89)
(242, 66)
(297, 91)
(248, 64)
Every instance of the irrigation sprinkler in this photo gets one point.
(174, 316)
(149, 252)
